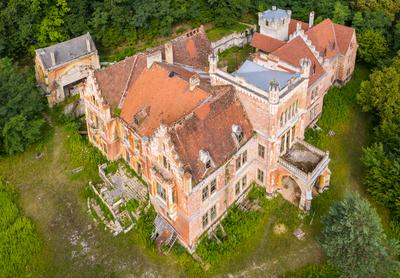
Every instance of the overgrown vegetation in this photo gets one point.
(21, 106)
(242, 227)
(341, 115)
(82, 153)
(234, 57)
(380, 95)
(217, 33)
(19, 242)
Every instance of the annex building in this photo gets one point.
(200, 136)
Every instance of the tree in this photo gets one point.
(18, 133)
(21, 105)
(381, 93)
(354, 241)
(51, 28)
(341, 13)
(373, 47)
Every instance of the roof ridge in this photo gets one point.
(122, 99)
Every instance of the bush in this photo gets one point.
(19, 243)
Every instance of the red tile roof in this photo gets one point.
(113, 80)
(323, 38)
(293, 25)
(295, 50)
(192, 48)
(344, 34)
(265, 43)
(209, 128)
(165, 99)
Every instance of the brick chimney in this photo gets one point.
(169, 53)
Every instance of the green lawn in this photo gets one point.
(234, 57)
(216, 33)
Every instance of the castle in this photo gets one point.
(199, 136)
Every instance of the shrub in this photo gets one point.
(19, 243)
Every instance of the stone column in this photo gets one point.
(305, 200)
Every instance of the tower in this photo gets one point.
(275, 23)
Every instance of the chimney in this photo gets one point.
(311, 20)
(53, 58)
(153, 57)
(88, 46)
(305, 67)
(298, 26)
(169, 53)
(274, 92)
(194, 81)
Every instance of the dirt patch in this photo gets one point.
(280, 229)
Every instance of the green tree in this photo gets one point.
(51, 28)
(381, 93)
(18, 133)
(373, 47)
(354, 241)
(19, 100)
(341, 13)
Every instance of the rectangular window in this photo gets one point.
(244, 157)
(237, 188)
(205, 220)
(166, 163)
(213, 213)
(213, 186)
(261, 151)
(227, 175)
(137, 144)
(282, 143)
(161, 192)
(238, 162)
(260, 175)
(293, 133)
(205, 193)
(244, 182)
(126, 135)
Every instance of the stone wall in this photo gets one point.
(234, 39)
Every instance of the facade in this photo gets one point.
(200, 136)
(282, 42)
(62, 68)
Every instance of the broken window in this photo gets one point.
(261, 151)
(213, 212)
(213, 186)
(161, 192)
(205, 220)
(237, 188)
(260, 175)
(205, 193)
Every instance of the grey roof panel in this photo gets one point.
(274, 14)
(66, 51)
(260, 76)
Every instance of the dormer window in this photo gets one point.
(205, 158)
(238, 132)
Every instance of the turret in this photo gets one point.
(273, 92)
(213, 63)
(275, 23)
(305, 64)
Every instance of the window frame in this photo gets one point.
(163, 191)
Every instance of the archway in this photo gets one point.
(290, 190)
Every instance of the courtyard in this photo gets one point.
(53, 197)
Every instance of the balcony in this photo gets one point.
(304, 161)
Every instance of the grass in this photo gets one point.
(217, 33)
(234, 57)
(352, 128)
(73, 246)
